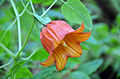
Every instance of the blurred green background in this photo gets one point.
(101, 53)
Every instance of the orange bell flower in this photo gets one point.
(61, 42)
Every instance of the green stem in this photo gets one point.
(62, 1)
(32, 6)
(32, 27)
(26, 39)
(39, 18)
(48, 8)
(29, 56)
(18, 23)
(8, 28)
(24, 8)
(42, 20)
(6, 64)
(8, 51)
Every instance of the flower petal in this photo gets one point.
(81, 37)
(75, 46)
(78, 37)
(69, 51)
(80, 29)
(59, 29)
(49, 61)
(60, 60)
(48, 44)
(47, 40)
(60, 57)
(61, 54)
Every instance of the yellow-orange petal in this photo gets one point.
(80, 29)
(49, 61)
(62, 52)
(78, 37)
(69, 51)
(60, 55)
(60, 60)
(74, 45)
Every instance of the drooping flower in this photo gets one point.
(61, 42)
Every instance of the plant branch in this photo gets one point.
(62, 1)
(8, 28)
(32, 24)
(24, 8)
(48, 8)
(25, 42)
(42, 20)
(6, 63)
(32, 6)
(29, 56)
(18, 23)
(6, 49)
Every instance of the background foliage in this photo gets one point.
(101, 53)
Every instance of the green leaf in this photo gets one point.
(46, 2)
(79, 75)
(54, 14)
(5, 16)
(40, 55)
(84, 46)
(76, 12)
(44, 73)
(101, 35)
(43, 2)
(116, 51)
(26, 26)
(92, 40)
(5, 39)
(90, 66)
(35, 1)
(70, 65)
(16, 67)
(23, 72)
(118, 74)
(116, 64)
(74, 60)
(1, 2)
(107, 63)
(118, 20)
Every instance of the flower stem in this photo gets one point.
(6, 63)
(8, 29)
(48, 8)
(62, 1)
(25, 42)
(32, 6)
(39, 18)
(29, 56)
(42, 20)
(24, 8)
(18, 23)
(19, 31)
(8, 51)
